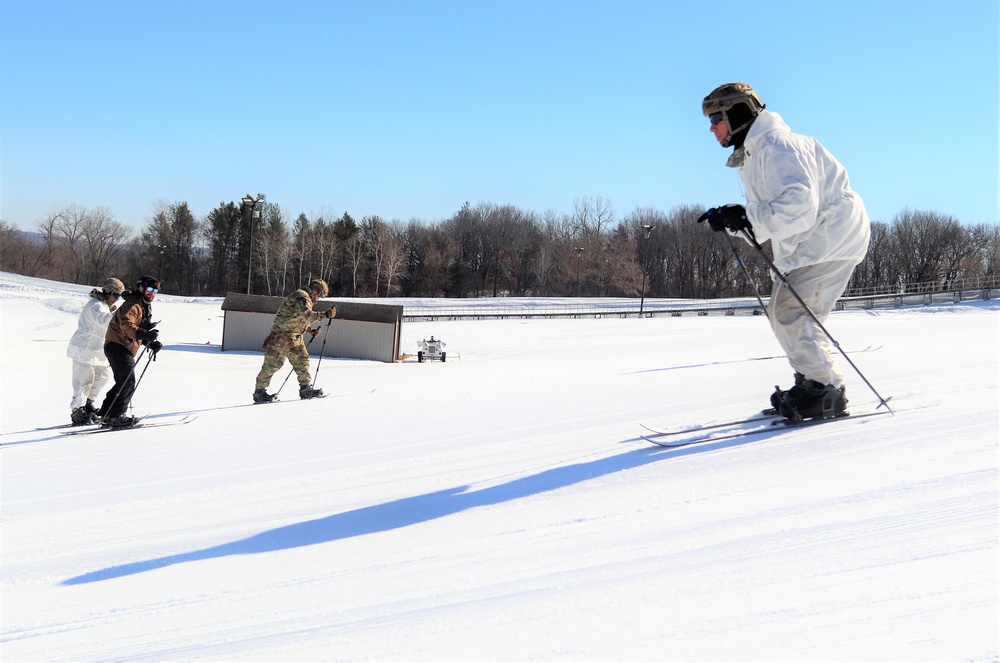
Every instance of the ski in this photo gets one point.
(765, 425)
(141, 424)
(655, 432)
(57, 427)
(278, 400)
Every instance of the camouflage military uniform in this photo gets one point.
(285, 340)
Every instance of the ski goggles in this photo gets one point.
(715, 118)
(151, 289)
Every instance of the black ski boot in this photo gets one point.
(307, 391)
(813, 400)
(123, 421)
(779, 394)
(80, 416)
(261, 396)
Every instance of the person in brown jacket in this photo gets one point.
(130, 328)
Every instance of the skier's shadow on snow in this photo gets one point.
(398, 513)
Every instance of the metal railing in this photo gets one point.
(535, 308)
(910, 294)
(991, 282)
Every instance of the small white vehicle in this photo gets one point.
(430, 350)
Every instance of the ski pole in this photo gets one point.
(139, 381)
(118, 393)
(319, 362)
(291, 371)
(805, 307)
(732, 245)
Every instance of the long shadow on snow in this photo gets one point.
(407, 511)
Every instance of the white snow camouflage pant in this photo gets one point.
(88, 380)
(807, 347)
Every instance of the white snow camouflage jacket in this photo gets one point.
(86, 346)
(799, 197)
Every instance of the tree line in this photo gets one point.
(486, 250)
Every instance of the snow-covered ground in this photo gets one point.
(501, 505)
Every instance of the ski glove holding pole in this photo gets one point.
(727, 217)
(331, 312)
(148, 338)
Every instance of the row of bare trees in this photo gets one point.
(483, 250)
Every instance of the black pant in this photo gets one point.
(123, 367)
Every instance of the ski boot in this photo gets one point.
(307, 391)
(80, 416)
(813, 400)
(261, 396)
(122, 421)
(779, 394)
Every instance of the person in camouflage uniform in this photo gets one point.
(293, 319)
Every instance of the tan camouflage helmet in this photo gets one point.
(320, 286)
(723, 98)
(113, 286)
(726, 96)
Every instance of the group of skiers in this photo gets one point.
(105, 344)
(798, 197)
(109, 337)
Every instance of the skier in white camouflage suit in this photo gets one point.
(91, 370)
(292, 320)
(800, 199)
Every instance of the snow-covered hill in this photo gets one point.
(501, 506)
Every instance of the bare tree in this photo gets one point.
(302, 234)
(354, 249)
(923, 240)
(623, 262)
(81, 244)
(102, 239)
(376, 236)
(394, 254)
(592, 215)
(67, 229)
(18, 253)
(273, 249)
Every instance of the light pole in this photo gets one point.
(252, 207)
(159, 267)
(579, 250)
(645, 251)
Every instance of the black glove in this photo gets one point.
(732, 217)
(147, 336)
(154, 347)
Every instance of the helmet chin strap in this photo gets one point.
(728, 140)
(754, 112)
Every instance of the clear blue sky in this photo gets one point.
(408, 109)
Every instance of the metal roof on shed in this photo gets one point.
(346, 309)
